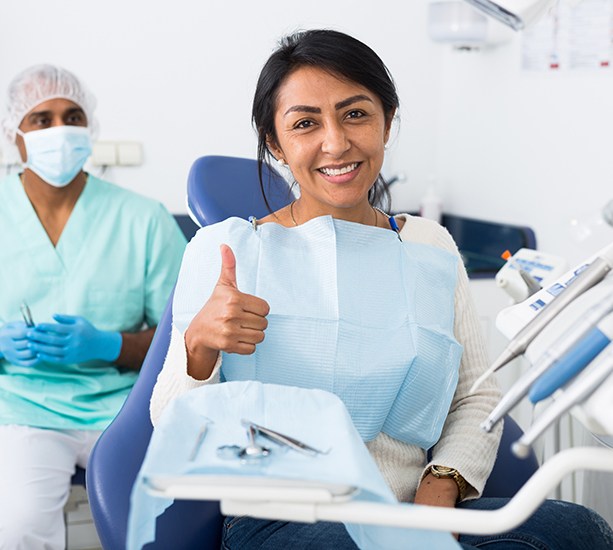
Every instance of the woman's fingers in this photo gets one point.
(255, 305)
(253, 321)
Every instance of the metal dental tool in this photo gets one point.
(199, 440)
(566, 342)
(27, 315)
(586, 279)
(252, 451)
(283, 439)
(577, 392)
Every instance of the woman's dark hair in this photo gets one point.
(332, 51)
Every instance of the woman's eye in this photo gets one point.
(355, 114)
(303, 124)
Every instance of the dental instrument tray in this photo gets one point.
(251, 488)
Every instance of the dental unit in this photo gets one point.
(558, 296)
(562, 352)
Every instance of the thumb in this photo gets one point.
(227, 276)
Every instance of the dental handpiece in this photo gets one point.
(579, 357)
(567, 341)
(590, 276)
(577, 392)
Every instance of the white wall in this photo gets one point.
(505, 144)
(529, 148)
(179, 76)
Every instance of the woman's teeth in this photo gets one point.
(339, 171)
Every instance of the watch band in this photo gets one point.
(443, 472)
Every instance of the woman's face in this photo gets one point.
(332, 133)
(53, 112)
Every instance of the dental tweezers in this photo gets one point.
(284, 439)
(27, 315)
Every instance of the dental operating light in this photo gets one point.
(517, 14)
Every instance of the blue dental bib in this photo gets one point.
(353, 311)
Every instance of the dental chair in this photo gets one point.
(218, 187)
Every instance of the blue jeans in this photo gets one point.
(556, 525)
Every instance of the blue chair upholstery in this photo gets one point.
(221, 187)
(117, 457)
(218, 187)
(509, 473)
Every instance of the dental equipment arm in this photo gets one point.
(569, 340)
(586, 279)
(574, 394)
(268, 498)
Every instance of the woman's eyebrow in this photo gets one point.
(351, 100)
(340, 105)
(302, 109)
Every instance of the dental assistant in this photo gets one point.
(385, 320)
(95, 263)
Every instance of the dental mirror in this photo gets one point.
(253, 451)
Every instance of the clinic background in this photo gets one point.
(500, 143)
(503, 144)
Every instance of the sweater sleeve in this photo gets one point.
(173, 379)
(463, 445)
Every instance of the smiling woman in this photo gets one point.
(363, 85)
(334, 144)
(323, 295)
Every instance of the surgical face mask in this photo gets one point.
(57, 154)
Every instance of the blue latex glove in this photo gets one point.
(73, 339)
(14, 344)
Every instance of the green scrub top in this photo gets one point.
(115, 264)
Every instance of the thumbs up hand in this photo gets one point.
(229, 321)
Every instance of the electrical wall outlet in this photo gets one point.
(104, 153)
(129, 153)
(117, 153)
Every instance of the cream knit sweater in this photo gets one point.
(463, 445)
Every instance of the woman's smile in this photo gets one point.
(340, 174)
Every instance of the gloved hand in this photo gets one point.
(73, 339)
(14, 344)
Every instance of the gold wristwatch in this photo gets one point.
(442, 472)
